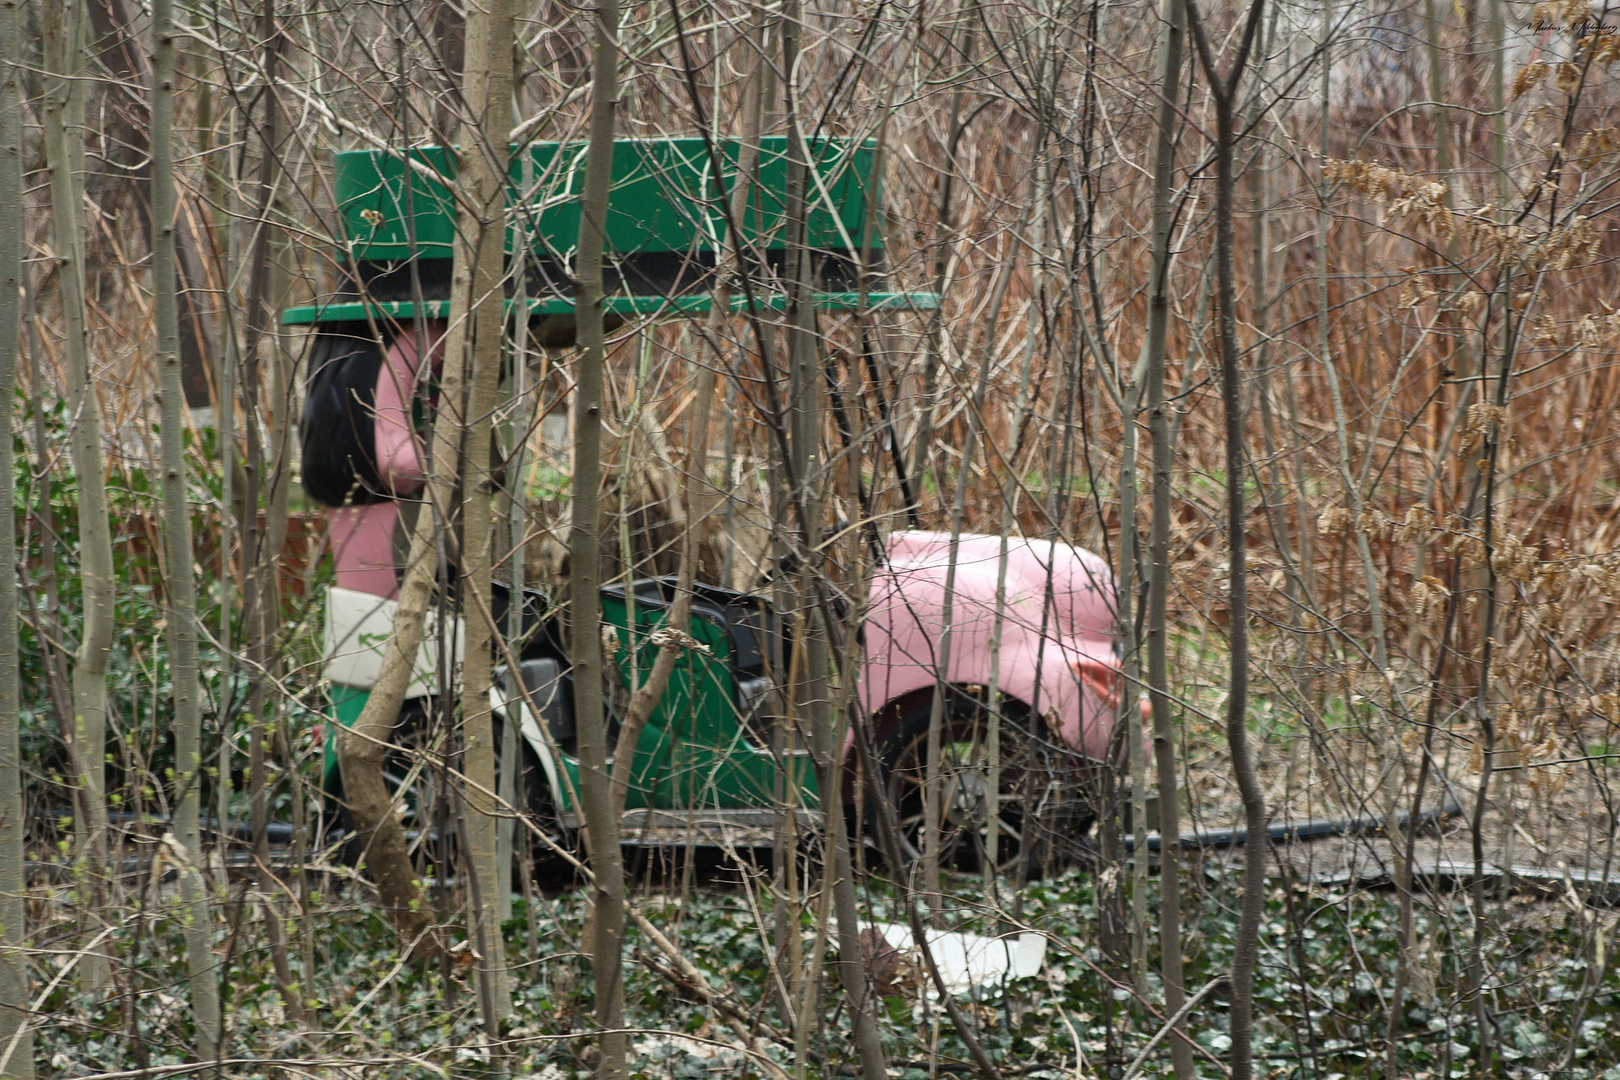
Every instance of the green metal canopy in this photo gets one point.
(667, 221)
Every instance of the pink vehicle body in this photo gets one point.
(1058, 643)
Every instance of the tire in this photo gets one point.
(421, 807)
(425, 797)
(1046, 802)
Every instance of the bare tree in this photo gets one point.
(180, 585)
(487, 83)
(64, 118)
(266, 398)
(585, 605)
(16, 1041)
(1223, 90)
(1167, 78)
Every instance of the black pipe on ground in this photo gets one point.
(1291, 832)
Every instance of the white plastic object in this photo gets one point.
(358, 625)
(969, 960)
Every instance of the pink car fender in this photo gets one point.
(1058, 658)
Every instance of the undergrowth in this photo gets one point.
(1327, 964)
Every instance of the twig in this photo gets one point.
(1170, 1025)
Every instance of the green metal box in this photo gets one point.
(667, 222)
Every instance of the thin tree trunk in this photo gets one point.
(1498, 101)
(889, 838)
(511, 530)
(487, 85)
(1475, 989)
(266, 484)
(1130, 396)
(230, 527)
(933, 811)
(16, 1040)
(60, 679)
(179, 585)
(922, 451)
(363, 746)
(1168, 78)
(64, 118)
(1341, 421)
(1435, 49)
(810, 703)
(585, 610)
(1245, 951)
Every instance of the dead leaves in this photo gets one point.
(1477, 232)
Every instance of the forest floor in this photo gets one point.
(1327, 957)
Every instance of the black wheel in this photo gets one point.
(410, 769)
(1045, 798)
(425, 797)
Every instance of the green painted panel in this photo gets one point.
(695, 751)
(347, 703)
(664, 197)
